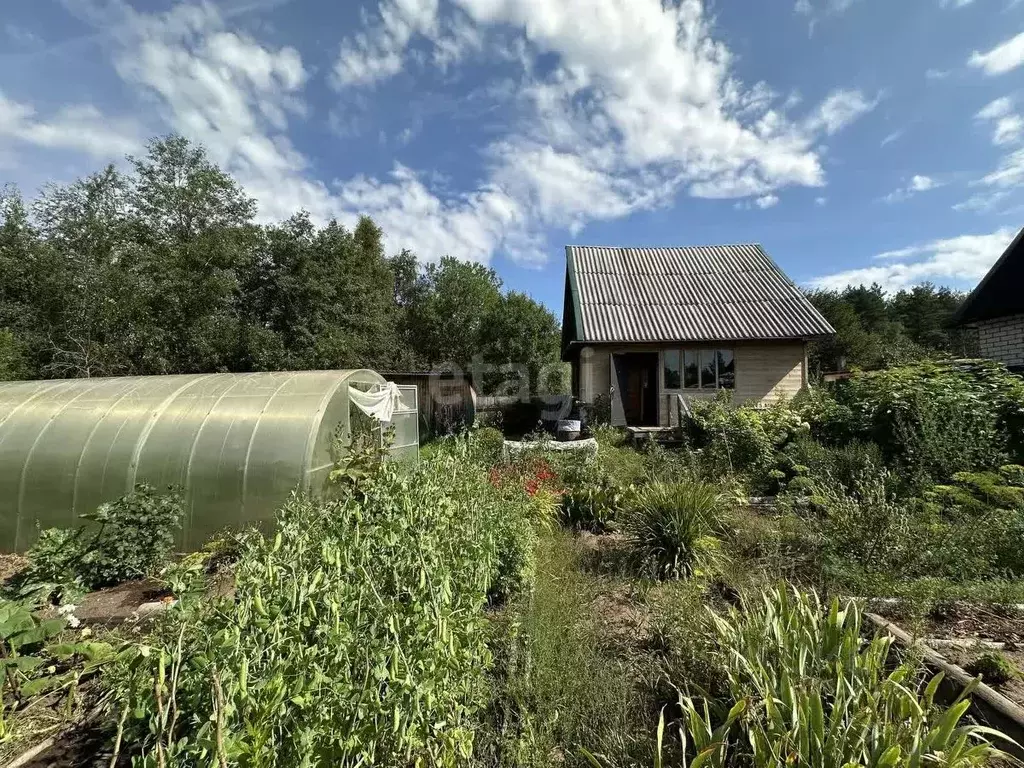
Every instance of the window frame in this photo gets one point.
(700, 353)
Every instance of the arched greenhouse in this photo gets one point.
(236, 443)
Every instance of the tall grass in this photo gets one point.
(558, 683)
(807, 690)
(672, 528)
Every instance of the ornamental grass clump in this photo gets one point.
(671, 528)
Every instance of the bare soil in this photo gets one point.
(963, 621)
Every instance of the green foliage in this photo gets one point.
(599, 412)
(488, 444)
(741, 439)
(930, 420)
(785, 544)
(805, 689)
(994, 668)
(592, 499)
(130, 538)
(12, 362)
(671, 528)
(355, 635)
(874, 330)
(806, 458)
(163, 269)
(22, 636)
(556, 685)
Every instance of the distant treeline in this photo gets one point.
(877, 330)
(163, 269)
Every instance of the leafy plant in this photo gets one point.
(806, 690)
(355, 635)
(671, 528)
(131, 537)
(994, 668)
(931, 419)
(592, 500)
(488, 443)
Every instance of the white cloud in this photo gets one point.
(996, 109)
(1010, 172)
(1008, 126)
(633, 106)
(1004, 57)
(891, 138)
(961, 260)
(820, 201)
(955, 3)
(923, 183)
(377, 54)
(937, 74)
(639, 103)
(816, 10)
(917, 183)
(840, 109)
(80, 128)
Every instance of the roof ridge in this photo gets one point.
(748, 243)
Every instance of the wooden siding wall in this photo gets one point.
(764, 372)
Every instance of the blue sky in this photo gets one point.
(858, 140)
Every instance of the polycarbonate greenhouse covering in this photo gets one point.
(236, 444)
(380, 402)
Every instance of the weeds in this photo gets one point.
(131, 538)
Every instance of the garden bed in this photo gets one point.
(965, 633)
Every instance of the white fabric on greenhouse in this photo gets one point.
(380, 402)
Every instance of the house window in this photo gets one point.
(673, 369)
(700, 369)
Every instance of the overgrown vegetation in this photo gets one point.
(805, 689)
(125, 539)
(544, 609)
(355, 635)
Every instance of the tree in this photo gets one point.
(459, 299)
(163, 269)
(875, 330)
(519, 331)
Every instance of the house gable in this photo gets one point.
(999, 293)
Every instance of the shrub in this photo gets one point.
(741, 439)
(806, 457)
(931, 419)
(994, 668)
(805, 689)
(783, 544)
(591, 499)
(132, 537)
(866, 524)
(671, 528)
(354, 636)
(488, 444)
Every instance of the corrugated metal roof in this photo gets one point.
(704, 293)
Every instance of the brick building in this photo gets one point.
(995, 309)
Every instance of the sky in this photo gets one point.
(858, 141)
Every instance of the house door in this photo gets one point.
(635, 400)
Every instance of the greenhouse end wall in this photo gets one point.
(236, 444)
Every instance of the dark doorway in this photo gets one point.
(636, 374)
